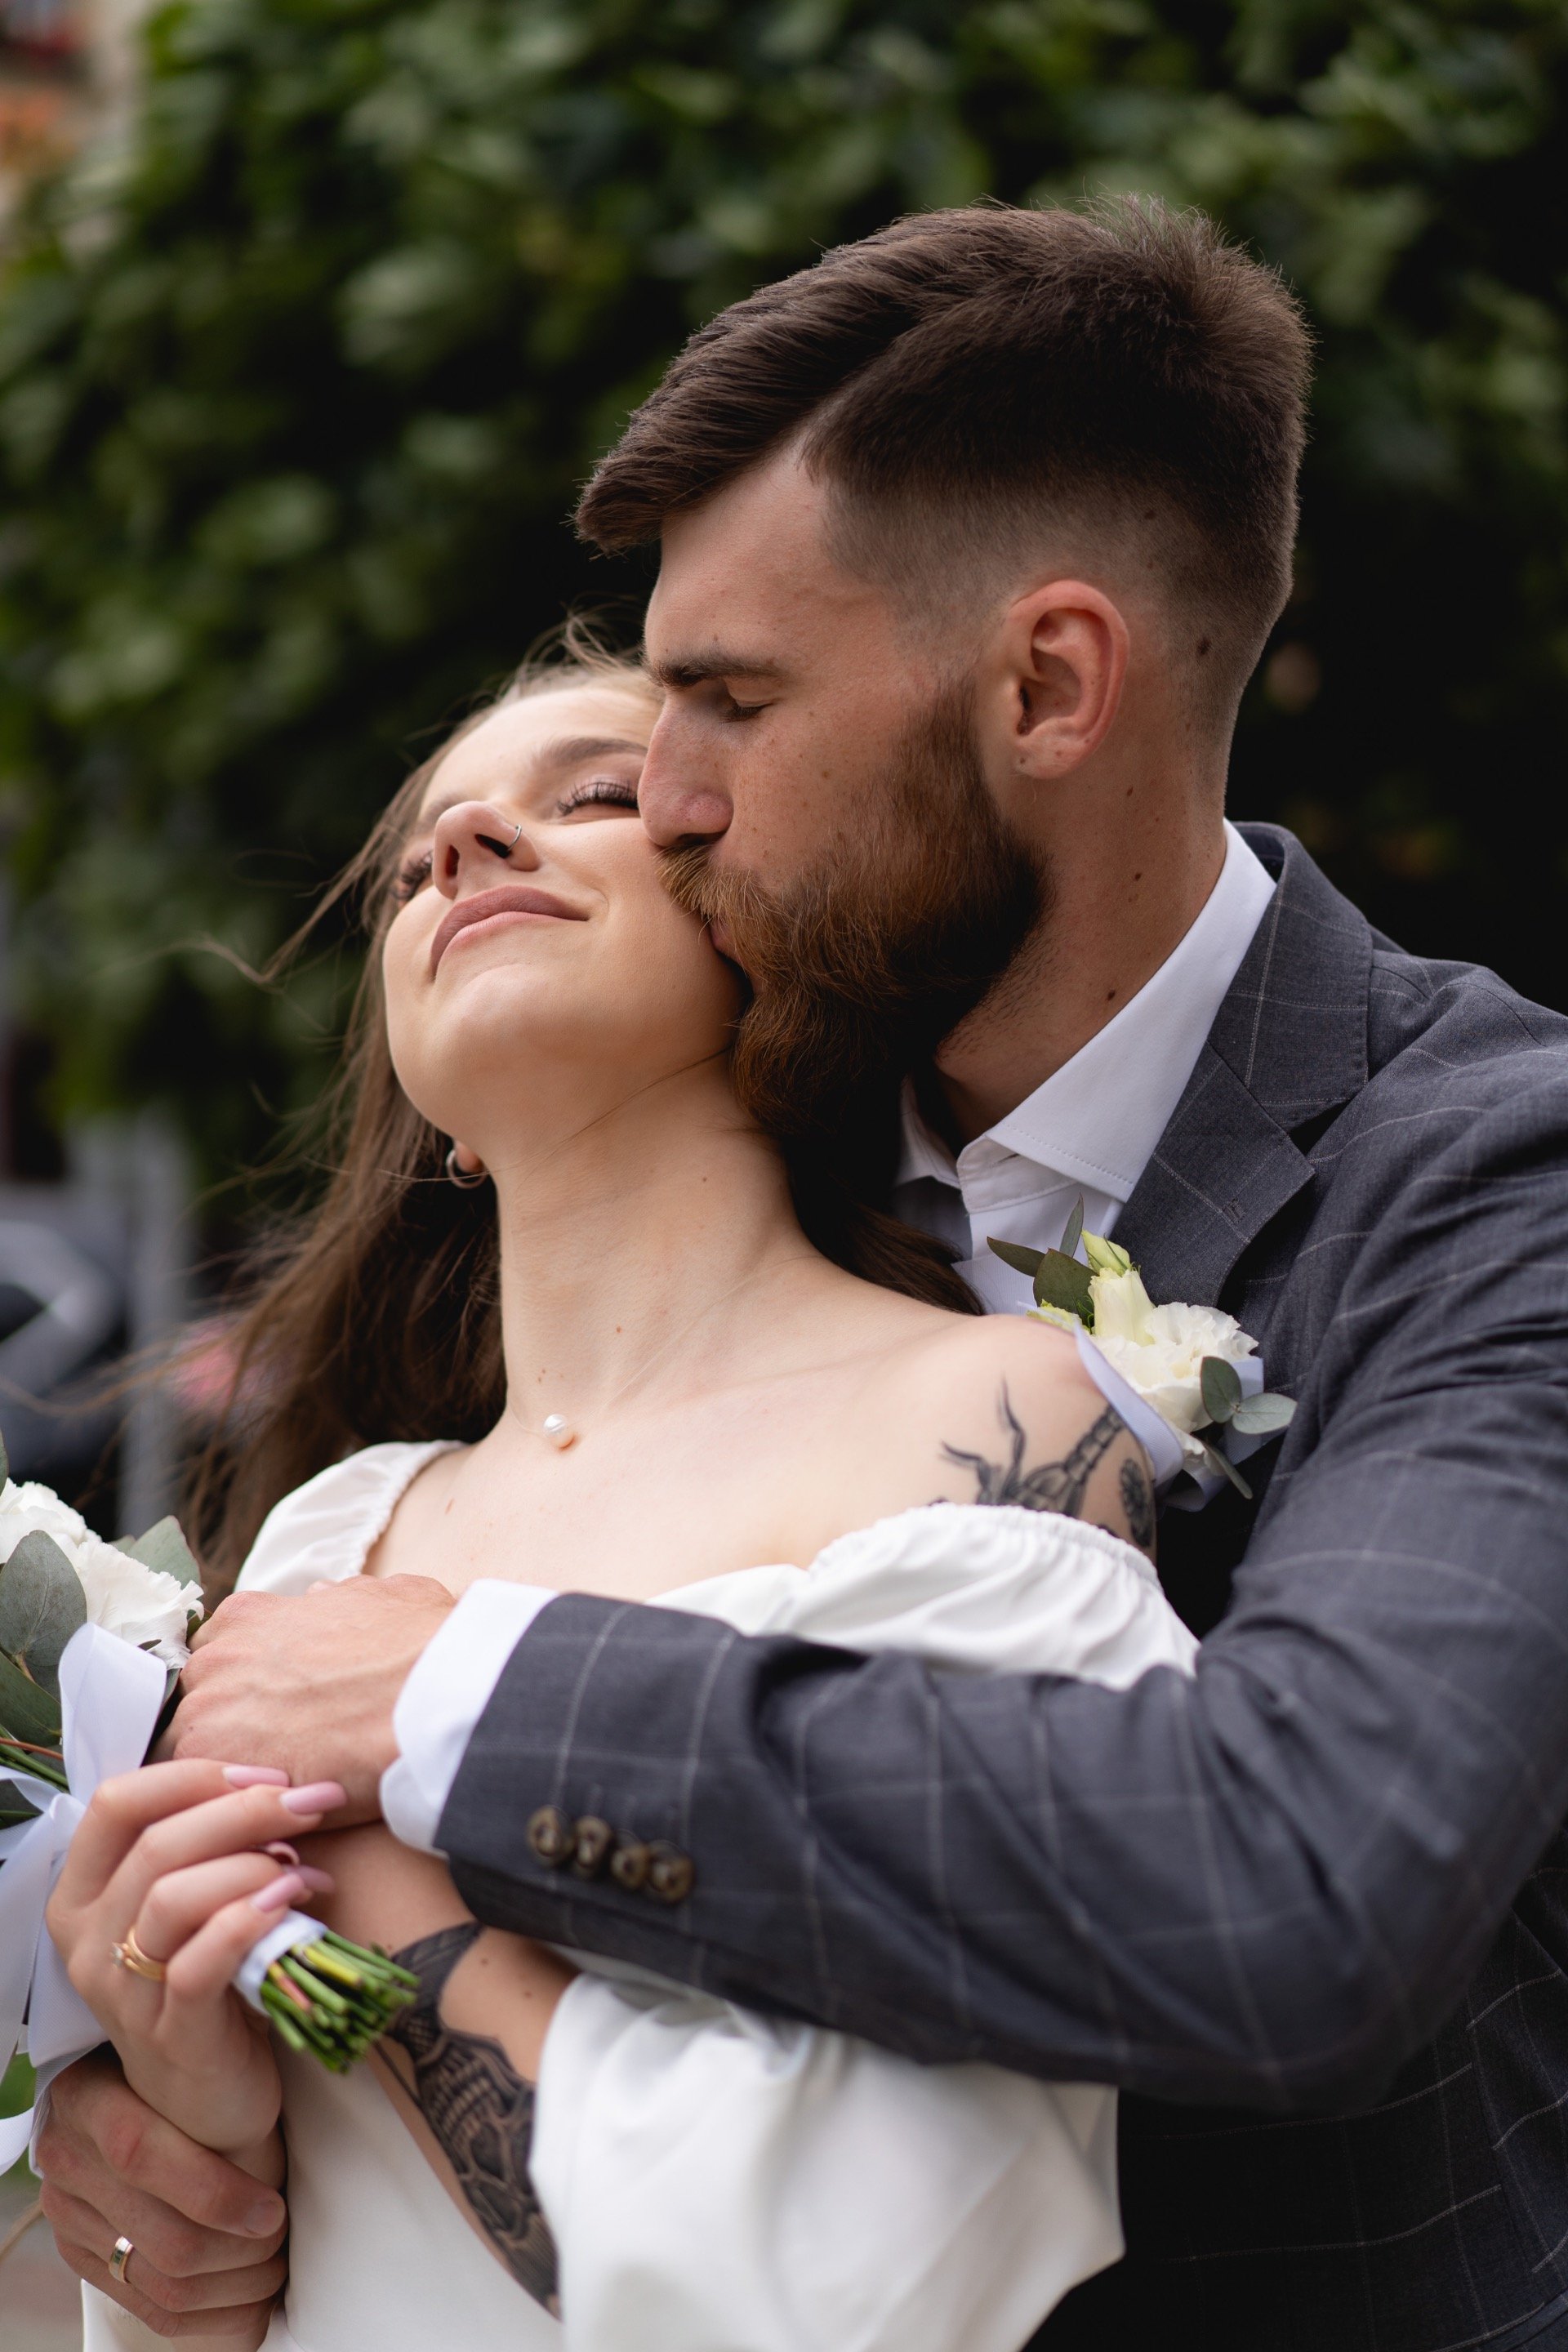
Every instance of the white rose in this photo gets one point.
(129, 1599)
(30, 1509)
(1159, 1351)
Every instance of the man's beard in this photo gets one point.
(862, 967)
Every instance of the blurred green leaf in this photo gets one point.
(41, 1606)
(297, 385)
(28, 1712)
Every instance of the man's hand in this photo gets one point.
(206, 2237)
(309, 1684)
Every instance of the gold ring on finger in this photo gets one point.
(130, 1955)
(123, 2250)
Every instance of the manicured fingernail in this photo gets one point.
(281, 1850)
(264, 2218)
(281, 1894)
(320, 1797)
(255, 1776)
(317, 1881)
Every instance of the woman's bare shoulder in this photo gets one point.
(999, 1409)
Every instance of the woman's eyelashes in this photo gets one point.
(412, 876)
(603, 792)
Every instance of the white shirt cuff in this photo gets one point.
(439, 1707)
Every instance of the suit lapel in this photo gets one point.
(1288, 1044)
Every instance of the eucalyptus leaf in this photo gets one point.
(165, 1548)
(1255, 1416)
(1062, 1282)
(41, 1605)
(1072, 1231)
(14, 1806)
(1221, 1388)
(26, 1712)
(1013, 1253)
(1226, 1468)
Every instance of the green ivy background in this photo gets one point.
(295, 392)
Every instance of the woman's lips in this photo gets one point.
(512, 898)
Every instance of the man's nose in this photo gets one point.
(676, 806)
(474, 836)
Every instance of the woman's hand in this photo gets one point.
(176, 1856)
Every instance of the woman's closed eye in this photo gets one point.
(599, 791)
(412, 876)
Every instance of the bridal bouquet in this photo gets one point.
(92, 1639)
(1194, 1365)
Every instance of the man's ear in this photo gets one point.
(1061, 667)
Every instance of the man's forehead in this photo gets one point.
(743, 575)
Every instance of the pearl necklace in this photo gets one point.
(560, 1432)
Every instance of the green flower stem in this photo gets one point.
(43, 1764)
(335, 1998)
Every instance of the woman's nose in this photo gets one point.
(472, 841)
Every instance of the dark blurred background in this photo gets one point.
(304, 352)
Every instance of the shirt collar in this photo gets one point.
(1097, 1121)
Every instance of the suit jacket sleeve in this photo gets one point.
(1264, 1887)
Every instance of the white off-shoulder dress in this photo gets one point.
(715, 2180)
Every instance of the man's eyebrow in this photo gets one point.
(565, 752)
(571, 751)
(698, 668)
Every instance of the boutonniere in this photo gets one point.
(1195, 1365)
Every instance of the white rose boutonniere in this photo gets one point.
(1194, 1365)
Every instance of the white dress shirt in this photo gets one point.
(1089, 1131)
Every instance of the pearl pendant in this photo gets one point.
(559, 1431)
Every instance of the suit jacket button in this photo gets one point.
(550, 1835)
(628, 1866)
(591, 1842)
(671, 1875)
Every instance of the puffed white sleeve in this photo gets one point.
(717, 2182)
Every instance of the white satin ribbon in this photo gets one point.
(112, 1694)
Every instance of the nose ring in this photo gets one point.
(500, 848)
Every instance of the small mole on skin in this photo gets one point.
(1203, 647)
(1109, 995)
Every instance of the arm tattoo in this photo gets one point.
(1138, 1503)
(481, 2112)
(1054, 1486)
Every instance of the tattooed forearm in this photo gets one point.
(1053, 1485)
(481, 2112)
(1138, 1502)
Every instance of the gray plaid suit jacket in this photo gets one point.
(1309, 1909)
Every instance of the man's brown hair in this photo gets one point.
(976, 387)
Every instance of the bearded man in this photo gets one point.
(972, 535)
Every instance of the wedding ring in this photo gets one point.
(130, 1955)
(123, 2250)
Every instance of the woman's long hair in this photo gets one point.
(377, 1314)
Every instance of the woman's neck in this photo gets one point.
(636, 1246)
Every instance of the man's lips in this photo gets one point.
(511, 898)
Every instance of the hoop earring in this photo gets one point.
(466, 1179)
